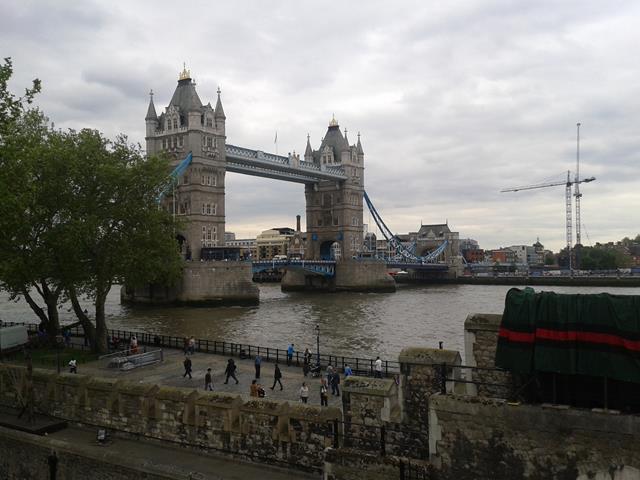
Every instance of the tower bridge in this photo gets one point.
(194, 136)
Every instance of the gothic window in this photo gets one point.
(175, 123)
(209, 234)
(168, 124)
(214, 179)
(208, 179)
(208, 209)
(204, 234)
(213, 209)
(354, 221)
(174, 142)
(204, 209)
(209, 122)
(164, 143)
(202, 180)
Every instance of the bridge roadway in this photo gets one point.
(326, 268)
(262, 164)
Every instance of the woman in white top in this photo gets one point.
(304, 393)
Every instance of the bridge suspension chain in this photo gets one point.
(400, 249)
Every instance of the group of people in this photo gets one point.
(330, 381)
(189, 346)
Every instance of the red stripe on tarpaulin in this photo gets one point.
(588, 337)
(570, 336)
(512, 336)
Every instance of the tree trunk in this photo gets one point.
(87, 326)
(100, 345)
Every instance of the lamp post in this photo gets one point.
(318, 345)
(58, 345)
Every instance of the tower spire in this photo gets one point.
(151, 111)
(219, 113)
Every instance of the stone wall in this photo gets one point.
(480, 342)
(24, 456)
(257, 429)
(202, 283)
(351, 275)
(478, 438)
(364, 275)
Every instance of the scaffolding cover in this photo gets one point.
(597, 335)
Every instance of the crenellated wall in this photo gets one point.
(258, 429)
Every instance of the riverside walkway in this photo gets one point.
(170, 371)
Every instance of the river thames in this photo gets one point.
(356, 324)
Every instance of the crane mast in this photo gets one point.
(568, 210)
(577, 193)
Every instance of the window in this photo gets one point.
(319, 222)
(209, 122)
(204, 234)
(214, 179)
(209, 142)
(335, 220)
(208, 179)
(214, 207)
(354, 221)
(180, 141)
(208, 209)
(175, 123)
(169, 124)
(202, 180)
(204, 209)
(164, 143)
(174, 142)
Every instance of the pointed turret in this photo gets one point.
(345, 136)
(219, 110)
(359, 146)
(308, 153)
(151, 111)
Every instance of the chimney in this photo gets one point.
(297, 223)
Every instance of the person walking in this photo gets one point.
(277, 375)
(257, 364)
(230, 371)
(290, 352)
(324, 397)
(73, 366)
(185, 345)
(347, 371)
(192, 345)
(187, 367)
(208, 381)
(304, 393)
(377, 368)
(335, 384)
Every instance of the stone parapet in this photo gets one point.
(470, 434)
(370, 401)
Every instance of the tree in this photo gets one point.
(113, 229)
(78, 213)
(25, 214)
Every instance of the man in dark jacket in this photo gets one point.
(231, 371)
(277, 375)
(187, 367)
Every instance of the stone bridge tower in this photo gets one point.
(186, 126)
(334, 209)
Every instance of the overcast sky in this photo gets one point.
(454, 100)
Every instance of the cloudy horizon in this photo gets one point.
(454, 102)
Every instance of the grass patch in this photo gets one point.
(46, 357)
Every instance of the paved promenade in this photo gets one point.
(170, 372)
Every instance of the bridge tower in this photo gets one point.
(186, 126)
(334, 209)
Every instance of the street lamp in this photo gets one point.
(318, 345)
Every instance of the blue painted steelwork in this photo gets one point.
(401, 251)
(317, 267)
(175, 174)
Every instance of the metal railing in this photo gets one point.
(359, 365)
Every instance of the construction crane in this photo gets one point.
(568, 184)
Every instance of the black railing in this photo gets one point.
(359, 365)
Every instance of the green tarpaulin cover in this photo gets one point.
(597, 335)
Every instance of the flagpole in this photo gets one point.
(276, 142)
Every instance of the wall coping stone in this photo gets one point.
(264, 406)
(218, 400)
(72, 379)
(104, 384)
(487, 322)
(369, 386)
(300, 411)
(176, 394)
(138, 389)
(429, 356)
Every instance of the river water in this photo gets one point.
(357, 324)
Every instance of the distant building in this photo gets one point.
(228, 236)
(273, 242)
(247, 246)
(502, 256)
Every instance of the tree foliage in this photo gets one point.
(78, 214)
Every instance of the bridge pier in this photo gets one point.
(350, 276)
(202, 284)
